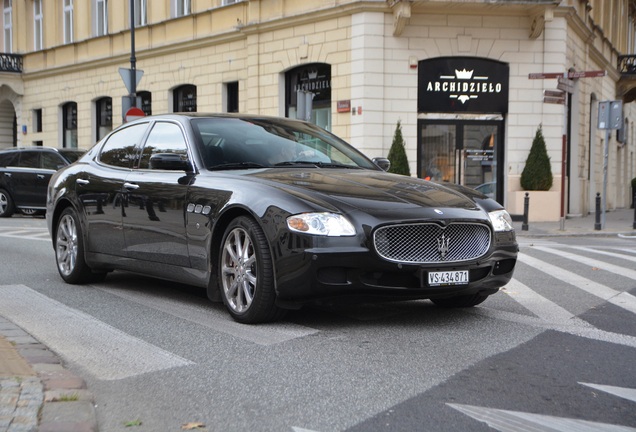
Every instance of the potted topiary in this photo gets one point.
(536, 177)
(537, 174)
(397, 154)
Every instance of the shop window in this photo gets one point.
(232, 97)
(146, 102)
(37, 120)
(69, 125)
(308, 94)
(185, 98)
(104, 117)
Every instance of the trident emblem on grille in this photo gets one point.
(443, 246)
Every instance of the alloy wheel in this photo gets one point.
(239, 270)
(66, 244)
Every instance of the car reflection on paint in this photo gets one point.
(269, 214)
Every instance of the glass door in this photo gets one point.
(462, 152)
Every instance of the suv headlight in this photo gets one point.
(326, 224)
(501, 220)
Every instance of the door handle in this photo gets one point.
(41, 176)
(82, 182)
(131, 186)
(7, 174)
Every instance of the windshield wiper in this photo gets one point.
(236, 165)
(316, 164)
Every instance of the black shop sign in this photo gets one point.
(462, 84)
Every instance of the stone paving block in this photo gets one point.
(62, 394)
(78, 416)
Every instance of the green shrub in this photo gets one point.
(537, 174)
(397, 154)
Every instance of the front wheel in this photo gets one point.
(460, 301)
(69, 251)
(6, 204)
(246, 273)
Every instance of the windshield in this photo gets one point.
(234, 143)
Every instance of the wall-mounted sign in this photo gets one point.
(462, 84)
(344, 106)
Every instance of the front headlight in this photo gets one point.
(326, 224)
(501, 220)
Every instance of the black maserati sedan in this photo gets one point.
(269, 214)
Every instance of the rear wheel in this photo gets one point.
(69, 251)
(6, 204)
(246, 273)
(460, 301)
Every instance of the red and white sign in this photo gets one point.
(134, 113)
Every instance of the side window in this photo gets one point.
(122, 146)
(164, 138)
(8, 159)
(52, 161)
(29, 159)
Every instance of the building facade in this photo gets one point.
(470, 81)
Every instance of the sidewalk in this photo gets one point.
(38, 394)
(617, 223)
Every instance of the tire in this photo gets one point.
(69, 251)
(245, 273)
(460, 301)
(6, 204)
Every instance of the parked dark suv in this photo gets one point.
(25, 174)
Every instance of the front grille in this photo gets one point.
(427, 243)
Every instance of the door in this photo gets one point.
(462, 152)
(154, 220)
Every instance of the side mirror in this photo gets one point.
(383, 163)
(169, 161)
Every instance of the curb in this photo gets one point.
(52, 399)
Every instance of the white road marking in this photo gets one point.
(612, 268)
(217, 320)
(622, 392)
(604, 252)
(516, 421)
(41, 234)
(621, 299)
(103, 351)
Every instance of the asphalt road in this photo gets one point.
(554, 350)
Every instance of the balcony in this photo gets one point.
(627, 64)
(10, 63)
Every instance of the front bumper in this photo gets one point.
(337, 274)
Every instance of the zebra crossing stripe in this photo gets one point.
(100, 349)
(516, 421)
(615, 269)
(622, 392)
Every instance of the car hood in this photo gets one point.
(369, 191)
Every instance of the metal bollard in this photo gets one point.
(526, 204)
(597, 223)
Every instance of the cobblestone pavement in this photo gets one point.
(36, 392)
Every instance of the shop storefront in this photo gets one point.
(462, 103)
(308, 94)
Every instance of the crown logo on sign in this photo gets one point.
(312, 74)
(463, 74)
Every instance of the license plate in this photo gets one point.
(459, 277)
